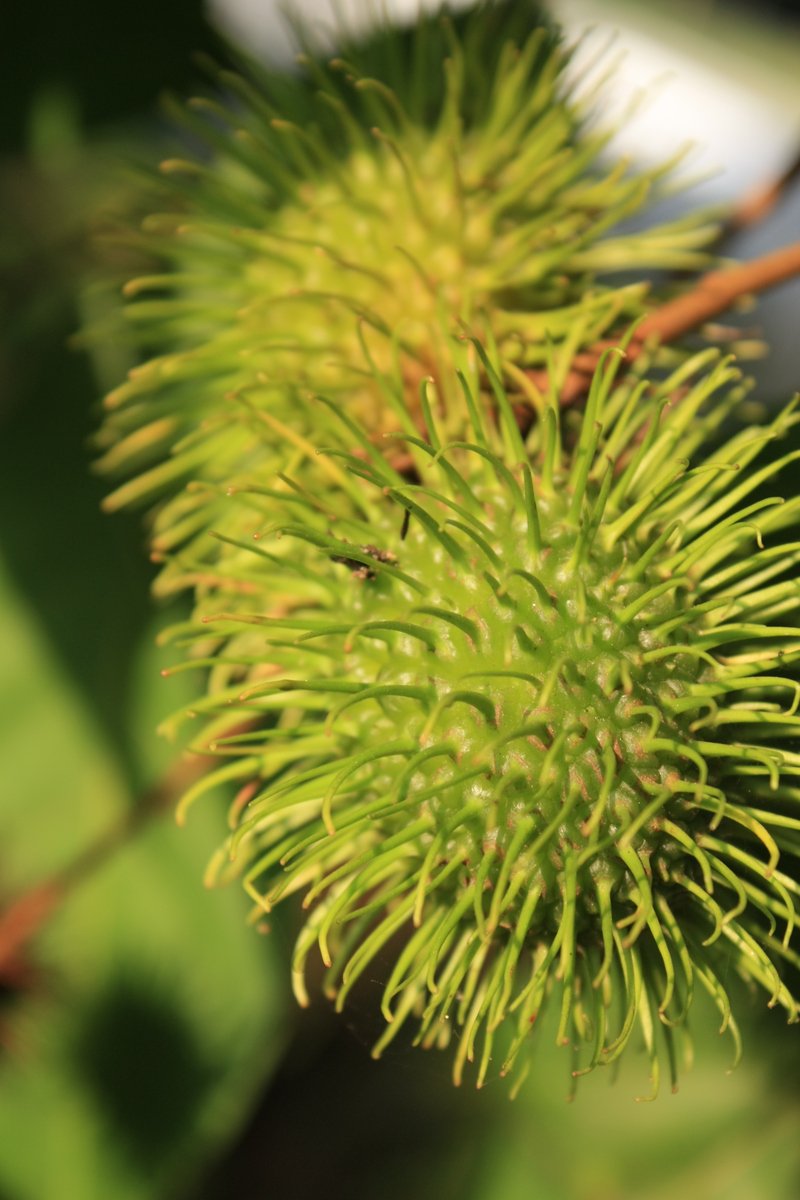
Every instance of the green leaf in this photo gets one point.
(721, 1136)
(158, 1015)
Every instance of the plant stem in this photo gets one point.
(23, 918)
(760, 201)
(713, 294)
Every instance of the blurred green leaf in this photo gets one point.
(723, 1135)
(158, 1016)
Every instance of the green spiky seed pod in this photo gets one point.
(517, 730)
(337, 230)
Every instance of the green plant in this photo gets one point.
(506, 694)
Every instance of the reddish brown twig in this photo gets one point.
(718, 291)
(24, 917)
(712, 295)
(761, 200)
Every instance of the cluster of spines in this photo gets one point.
(281, 268)
(355, 804)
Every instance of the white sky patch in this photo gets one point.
(691, 94)
(737, 134)
(261, 25)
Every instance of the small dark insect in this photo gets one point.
(363, 570)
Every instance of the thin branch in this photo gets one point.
(712, 295)
(24, 917)
(760, 201)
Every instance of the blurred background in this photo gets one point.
(149, 1046)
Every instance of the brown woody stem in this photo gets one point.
(22, 919)
(713, 294)
(758, 203)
